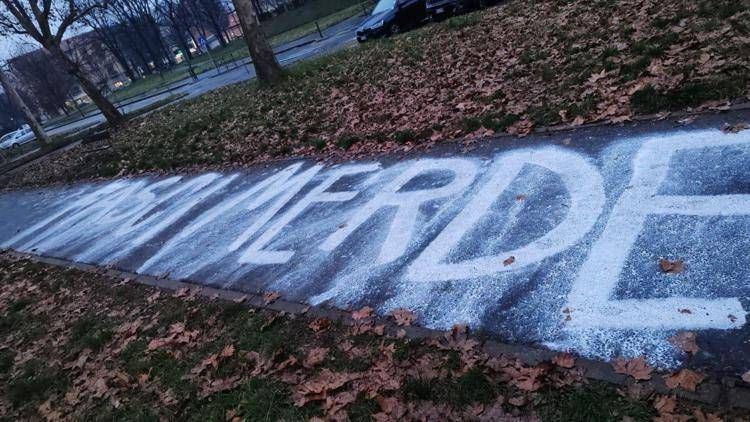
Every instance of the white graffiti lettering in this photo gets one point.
(589, 300)
(401, 229)
(445, 226)
(587, 199)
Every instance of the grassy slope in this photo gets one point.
(80, 346)
(508, 68)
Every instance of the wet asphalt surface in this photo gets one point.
(227, 229)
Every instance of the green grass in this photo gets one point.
(306, 13)
(34, 382)
(403, 136)
(471, 387)
(131, 412)
(234, 50)
(495, 121)
(90, 332)
(248, 123)
(254, 332)
(463, 21)
(265, 397)
(592, 403)
(649, 100)
(260, 399)
(159, 364)
(21, 323)
(324, 23)
(363, 409)
(346, 140)
(149, 84)
(6, 360)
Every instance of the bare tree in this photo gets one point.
(46, 22)
(216, 17)
(189, 12)
(171, 16)
(266, 67)
(105, 29)
(18, 102)
(40, 75)
(10, 115)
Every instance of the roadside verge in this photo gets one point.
(536, 376)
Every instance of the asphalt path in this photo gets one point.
(334, 38)
(605, 241)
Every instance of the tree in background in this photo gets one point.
(10, 115)
(46, 21)
(40, 75)
(215, 15)
(106, 30)
(267, 68)
(94, 58)
(139, 19)
(177, 26)
(10, 90)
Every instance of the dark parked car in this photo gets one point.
(390, 17)
(439, 9)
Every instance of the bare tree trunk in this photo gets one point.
(217, 31)
(41, 136)
(120, 58)
(109, 111)
(266, 67)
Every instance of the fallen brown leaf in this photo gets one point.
(636, 368)
(735, 128)
(320, 324)
(665, 404)
(564, 360)
(315, 356)
(685, 341)
(227, 351)
(671, 267)
(403, 317)
(363, 313)
(684, 378)
(270, 297)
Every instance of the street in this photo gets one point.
(335, 37)
(604, 241)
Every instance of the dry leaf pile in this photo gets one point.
(80, 346)
(509, 68)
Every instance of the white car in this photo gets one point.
(17, 138)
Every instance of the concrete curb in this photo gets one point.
(566, 127)
(726, 392)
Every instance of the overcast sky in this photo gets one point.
(9, 44)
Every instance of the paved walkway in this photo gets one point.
(605, 241)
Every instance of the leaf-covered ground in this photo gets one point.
(509, 68)
(82, 346)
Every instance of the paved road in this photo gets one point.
(335, 37)
(552, 240)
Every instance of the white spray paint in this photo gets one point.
(587, 197)
(401, 230)
(589, 300)
(284, 189)
(410, 263)
(215, 213)
(255, 253)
